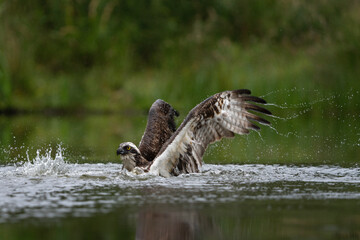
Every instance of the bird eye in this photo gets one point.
(128, 148)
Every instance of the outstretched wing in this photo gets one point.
(221, 115)
(160, 127)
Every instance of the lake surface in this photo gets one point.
(61, 179)
(224, 201)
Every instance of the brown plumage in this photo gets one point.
(164, 151)
(161, 116)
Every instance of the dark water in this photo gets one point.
(60, 178)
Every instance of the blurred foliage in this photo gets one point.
(107, 55)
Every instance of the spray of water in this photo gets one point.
(44, 163)
(294, 111)
(320, 129)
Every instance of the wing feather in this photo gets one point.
(160, 127)
(220, 116)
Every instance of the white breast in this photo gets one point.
(128, 162)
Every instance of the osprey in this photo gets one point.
(167, 151)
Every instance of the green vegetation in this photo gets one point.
(104, 55)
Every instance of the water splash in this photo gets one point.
(332, 110)
(316, 95)
(44, 164)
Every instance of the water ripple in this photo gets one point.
(54, 188)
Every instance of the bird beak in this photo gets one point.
(120, 151)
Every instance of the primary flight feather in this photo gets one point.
(166, 151)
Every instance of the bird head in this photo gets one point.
(128, 152)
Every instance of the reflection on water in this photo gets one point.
(167, 223)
